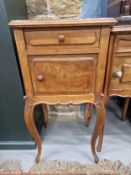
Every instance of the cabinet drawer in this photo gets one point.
(63, 74)
(121, 73)
(123, 43)
(60, 41)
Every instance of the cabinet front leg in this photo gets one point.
(98, 130)
(29, 120)
(100, 141)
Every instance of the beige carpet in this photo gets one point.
(104, 167)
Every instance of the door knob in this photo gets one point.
(118, 74)
(40, 77)
(61, 38)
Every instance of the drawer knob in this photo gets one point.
(40, 77)
(118, 74)
(61, 38)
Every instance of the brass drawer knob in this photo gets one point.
(40, 77)
(118, 74)
(61, 38)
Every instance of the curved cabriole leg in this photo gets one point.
(29, 120)
(98, 130)
(100, 141)
(88, 114)
(45, 115)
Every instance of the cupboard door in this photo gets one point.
(64, 74)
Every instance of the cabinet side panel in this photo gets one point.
(20, 43)
(102, 60)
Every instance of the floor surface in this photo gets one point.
(67, 138)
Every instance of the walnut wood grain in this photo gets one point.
(62, 22)
(125, 108)
(62, 62)
(106, 91)
(108, 73)
(100, 138)
(29, 120)
(71, 36)
(61, 49)
(126, 71)
(88, 113)
(119, 59)
(102, 60)
(45, 115)
(123, 43)
(121, 29)
(121, 63)
(41, 42)
(62, 99)
(98, 130)
(68, 74)
(21, 49)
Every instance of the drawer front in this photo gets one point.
(121, 73)
(41, 42)
(123, 43)
(63, 74)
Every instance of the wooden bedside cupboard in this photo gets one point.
(62, 62)
(118, 75)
